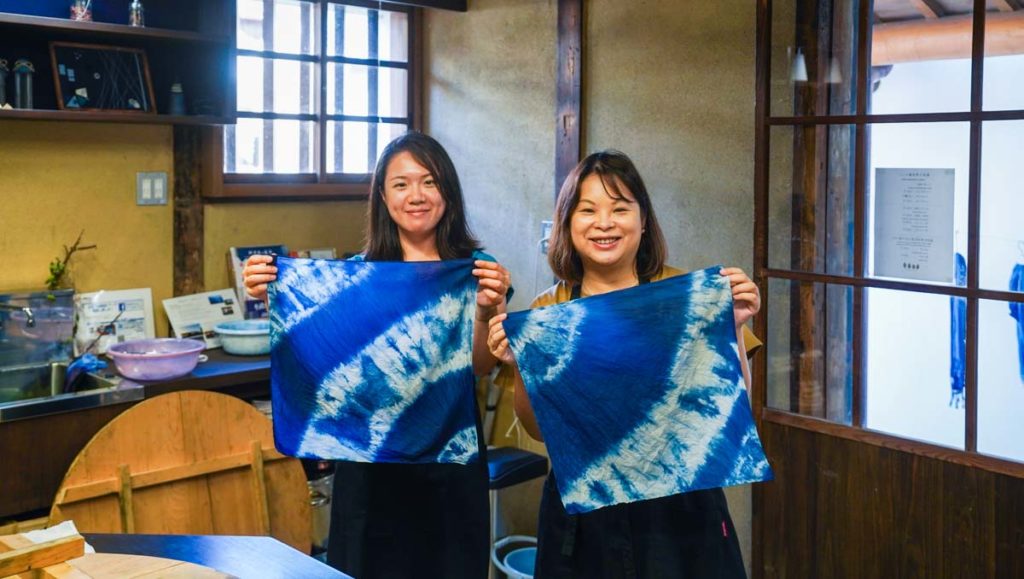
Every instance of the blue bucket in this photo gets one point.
(521, 561)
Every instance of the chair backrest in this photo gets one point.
(193, 463)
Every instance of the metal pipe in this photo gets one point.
(30, 318)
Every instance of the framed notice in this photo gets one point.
(914, 224)
(92, 77)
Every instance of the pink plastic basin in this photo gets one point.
(155, 359)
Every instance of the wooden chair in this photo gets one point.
(193, 463)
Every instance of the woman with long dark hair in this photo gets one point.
(414, 520)
(605, 238)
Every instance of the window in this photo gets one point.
(889, 239)
(322, 87)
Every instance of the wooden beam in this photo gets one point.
(188, 211)
(568, 88)
(1004, 5)
(141, 480)
(929, 8)
(39, 555)
(945, 38)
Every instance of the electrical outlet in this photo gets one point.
(545, 235)
(151, 188)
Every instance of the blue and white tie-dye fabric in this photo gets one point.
(372, 361)
(639, 393)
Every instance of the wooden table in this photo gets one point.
(260, 557)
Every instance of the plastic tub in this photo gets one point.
(521, 562)
(245, 337)
(155, 359)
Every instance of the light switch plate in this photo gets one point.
(151, 188)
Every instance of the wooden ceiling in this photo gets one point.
(901, 10)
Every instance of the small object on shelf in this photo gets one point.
(23, 71)
(177, 100)
(101, 78)
(136, 16)
(81, 10)
(3, 81)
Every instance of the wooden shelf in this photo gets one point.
(120, 117)
(101, 29)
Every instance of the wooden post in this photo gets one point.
(124, 500)
(188, 211)
(568, 89)
(259, 486)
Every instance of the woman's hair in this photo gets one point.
(615, 169)
(454, 239)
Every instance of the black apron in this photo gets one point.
(689, 535)
(399, 521)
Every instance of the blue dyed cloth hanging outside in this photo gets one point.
(639, 393)
(372, 361)
(958, 337)
(1017, 312)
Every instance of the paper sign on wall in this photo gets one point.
(914, 224)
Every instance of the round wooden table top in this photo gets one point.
(192, 462)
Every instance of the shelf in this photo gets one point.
(121, 117)
(102, 29)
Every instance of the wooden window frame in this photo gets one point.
(764, 120)
(219, 186)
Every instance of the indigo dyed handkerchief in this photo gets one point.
(372, 361)
(639, 393)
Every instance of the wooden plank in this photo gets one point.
(188, 211)
(13, 542)
(39, 555)
(259, 488)
(568, 89)
(192, 435)
(945, 38)
(124, 500)
(967, 504)
(872, 437)
(1008, 527)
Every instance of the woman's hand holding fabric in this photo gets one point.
(745, 295)
(258, 272)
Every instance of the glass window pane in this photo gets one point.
(292, 30)
(1001, 378)
(916, 66)
(394, 36)
(348, 31)
(269, 146)
(810, 205)
(917, 205)
(356, 140)
(354, 82)
(1004, 62)
(392, 92)
(294, 85)
(1002, 205)
(813, 57)
(915, 365)
(810, 345)
(348, 89)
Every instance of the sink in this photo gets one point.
(38, 389)
(39, 380)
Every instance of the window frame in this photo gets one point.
(862, 120)
(321, 185)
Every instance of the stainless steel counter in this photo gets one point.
(125, 391)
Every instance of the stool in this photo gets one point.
(508, 466)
